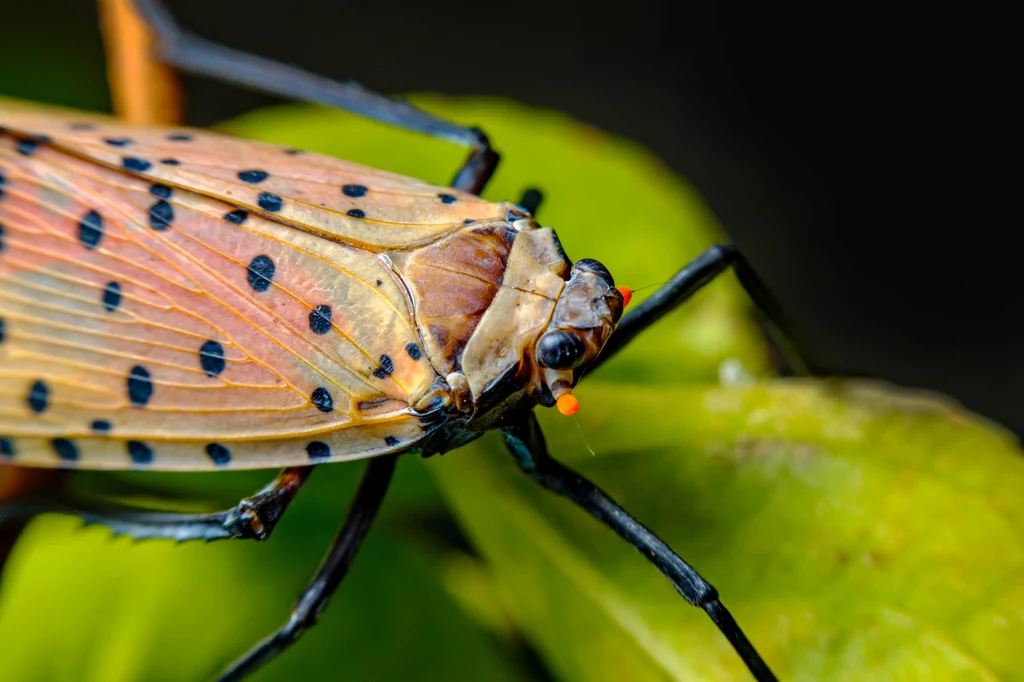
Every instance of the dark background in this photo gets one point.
(855, 154)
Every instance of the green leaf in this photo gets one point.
(856, 532)
(80, 605)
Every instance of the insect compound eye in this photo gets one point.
(560, 350)
(591, 265)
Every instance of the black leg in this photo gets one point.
(253, 518)
(526, 443)
(333, 568)
(691, 279)
(530, 200)
(192, 54)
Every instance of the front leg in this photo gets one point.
(692, 278)
(526, 443)
(333, 568)
(253, 518)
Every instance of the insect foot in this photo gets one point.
(256, 517)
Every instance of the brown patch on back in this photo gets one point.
(452, 284)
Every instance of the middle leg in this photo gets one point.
(329, 575)
(254, 518)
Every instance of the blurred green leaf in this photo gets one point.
(856, 533)
(79, 605)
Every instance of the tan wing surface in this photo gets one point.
(342, 201)
(144, 324)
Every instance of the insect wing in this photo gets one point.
(342, 201)
(148, 323)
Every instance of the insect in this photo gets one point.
(178, 300)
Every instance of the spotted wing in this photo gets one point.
(145, 324)
(342, 201)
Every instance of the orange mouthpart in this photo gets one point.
(627, 295)
(567, 404)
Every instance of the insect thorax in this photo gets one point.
(483, 297)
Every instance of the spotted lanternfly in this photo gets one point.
(174, 299)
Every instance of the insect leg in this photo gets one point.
(526, 443)
(691, 279)
(195, 55)
(531, 199)
(253, 518)
(329, 575)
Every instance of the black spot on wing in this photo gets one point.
(385, 369)
(357, 213)
(65, 449)
(111, 296)
(6, 448)
(211, 358)
(161, 215)
(3, 329)
(237, 216)
(90, 230)
(38, 397)
(253, 176)
(322, 399)
(140, 386)
(160, 190)
(26, 147)
(170, 162)
(134, 163)
(354, 191)
(139, 452)
(218, 453)
(414, 351)
(320, 319)
(447, 198)
(269, 202)
(101, 426)
(391, 441)
(318, 450)
(261, 273)
(179, 137)
(118, 141)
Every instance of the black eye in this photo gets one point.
(560, 350)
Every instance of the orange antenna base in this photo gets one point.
(567, 404)
(627, 295)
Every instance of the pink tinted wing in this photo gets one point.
(146, 324)
(339, 200)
